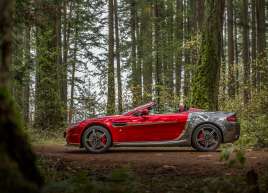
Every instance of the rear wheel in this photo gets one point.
(96, 139)
(206, 137)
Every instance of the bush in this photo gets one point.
(253, 118)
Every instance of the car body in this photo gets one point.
(140, 127)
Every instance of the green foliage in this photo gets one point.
(233, 156)
(11, 180)
(49, 109)
(224, 185)
(118, 181)
(206, 75)
(253, 118)
(64, 177)
(38, 137)
(17, 164)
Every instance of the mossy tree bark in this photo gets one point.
(169, 49)
(245, 51)
(199, 13)
(206, 76)
(28, 64)
(158, 64)
(146, 26)
(118, 64)
(73, 70)
(138, 73)
(179, 53)
(18, 172)
(236, 51)
(253, 45)
(230, 21)
(49, 112)
(262, 66)
(189, 29)
(111, 85)
(135, 55)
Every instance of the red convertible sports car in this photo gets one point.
(204, 131)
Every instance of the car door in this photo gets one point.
(127, 128)
(150, 127)
(164, 127)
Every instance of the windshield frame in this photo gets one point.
(133, 111)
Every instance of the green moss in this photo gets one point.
(206, 75)
(11, 180)
(17, 159)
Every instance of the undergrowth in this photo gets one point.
(65, 178)
(40, 137)
(253, 119)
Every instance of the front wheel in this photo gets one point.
(206, 137)
(96, 139)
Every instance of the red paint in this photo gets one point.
(131, 127)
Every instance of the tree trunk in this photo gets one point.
(28, 63)
(146, 26)
(245, 51)
(18, 69)
(17, 171)
(58, 24)
(158, 65)
(66, 37)
(223, 72)
(262, 78)
(139, 34)
(230, 21)
(188, 19)
(179, 42)
(71, 108)
(118, 65)
(48, 104)
(110, 83)
(133, 57)
(206, 78)
(237, 86)
(170, 53)
(200, 13)
(253, 44)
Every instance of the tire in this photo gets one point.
(206, 137)
(96, 139)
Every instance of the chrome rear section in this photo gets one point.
(230, 130)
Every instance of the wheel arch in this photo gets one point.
(94, 124)
(204, 123)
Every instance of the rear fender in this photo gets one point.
(196, 119)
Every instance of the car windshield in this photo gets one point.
(154, 109)
(162, 109)
(139, 107)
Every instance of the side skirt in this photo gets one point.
(152, 143)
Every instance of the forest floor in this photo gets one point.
(149, 170)
(179, 161)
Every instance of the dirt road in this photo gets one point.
(179, 160)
